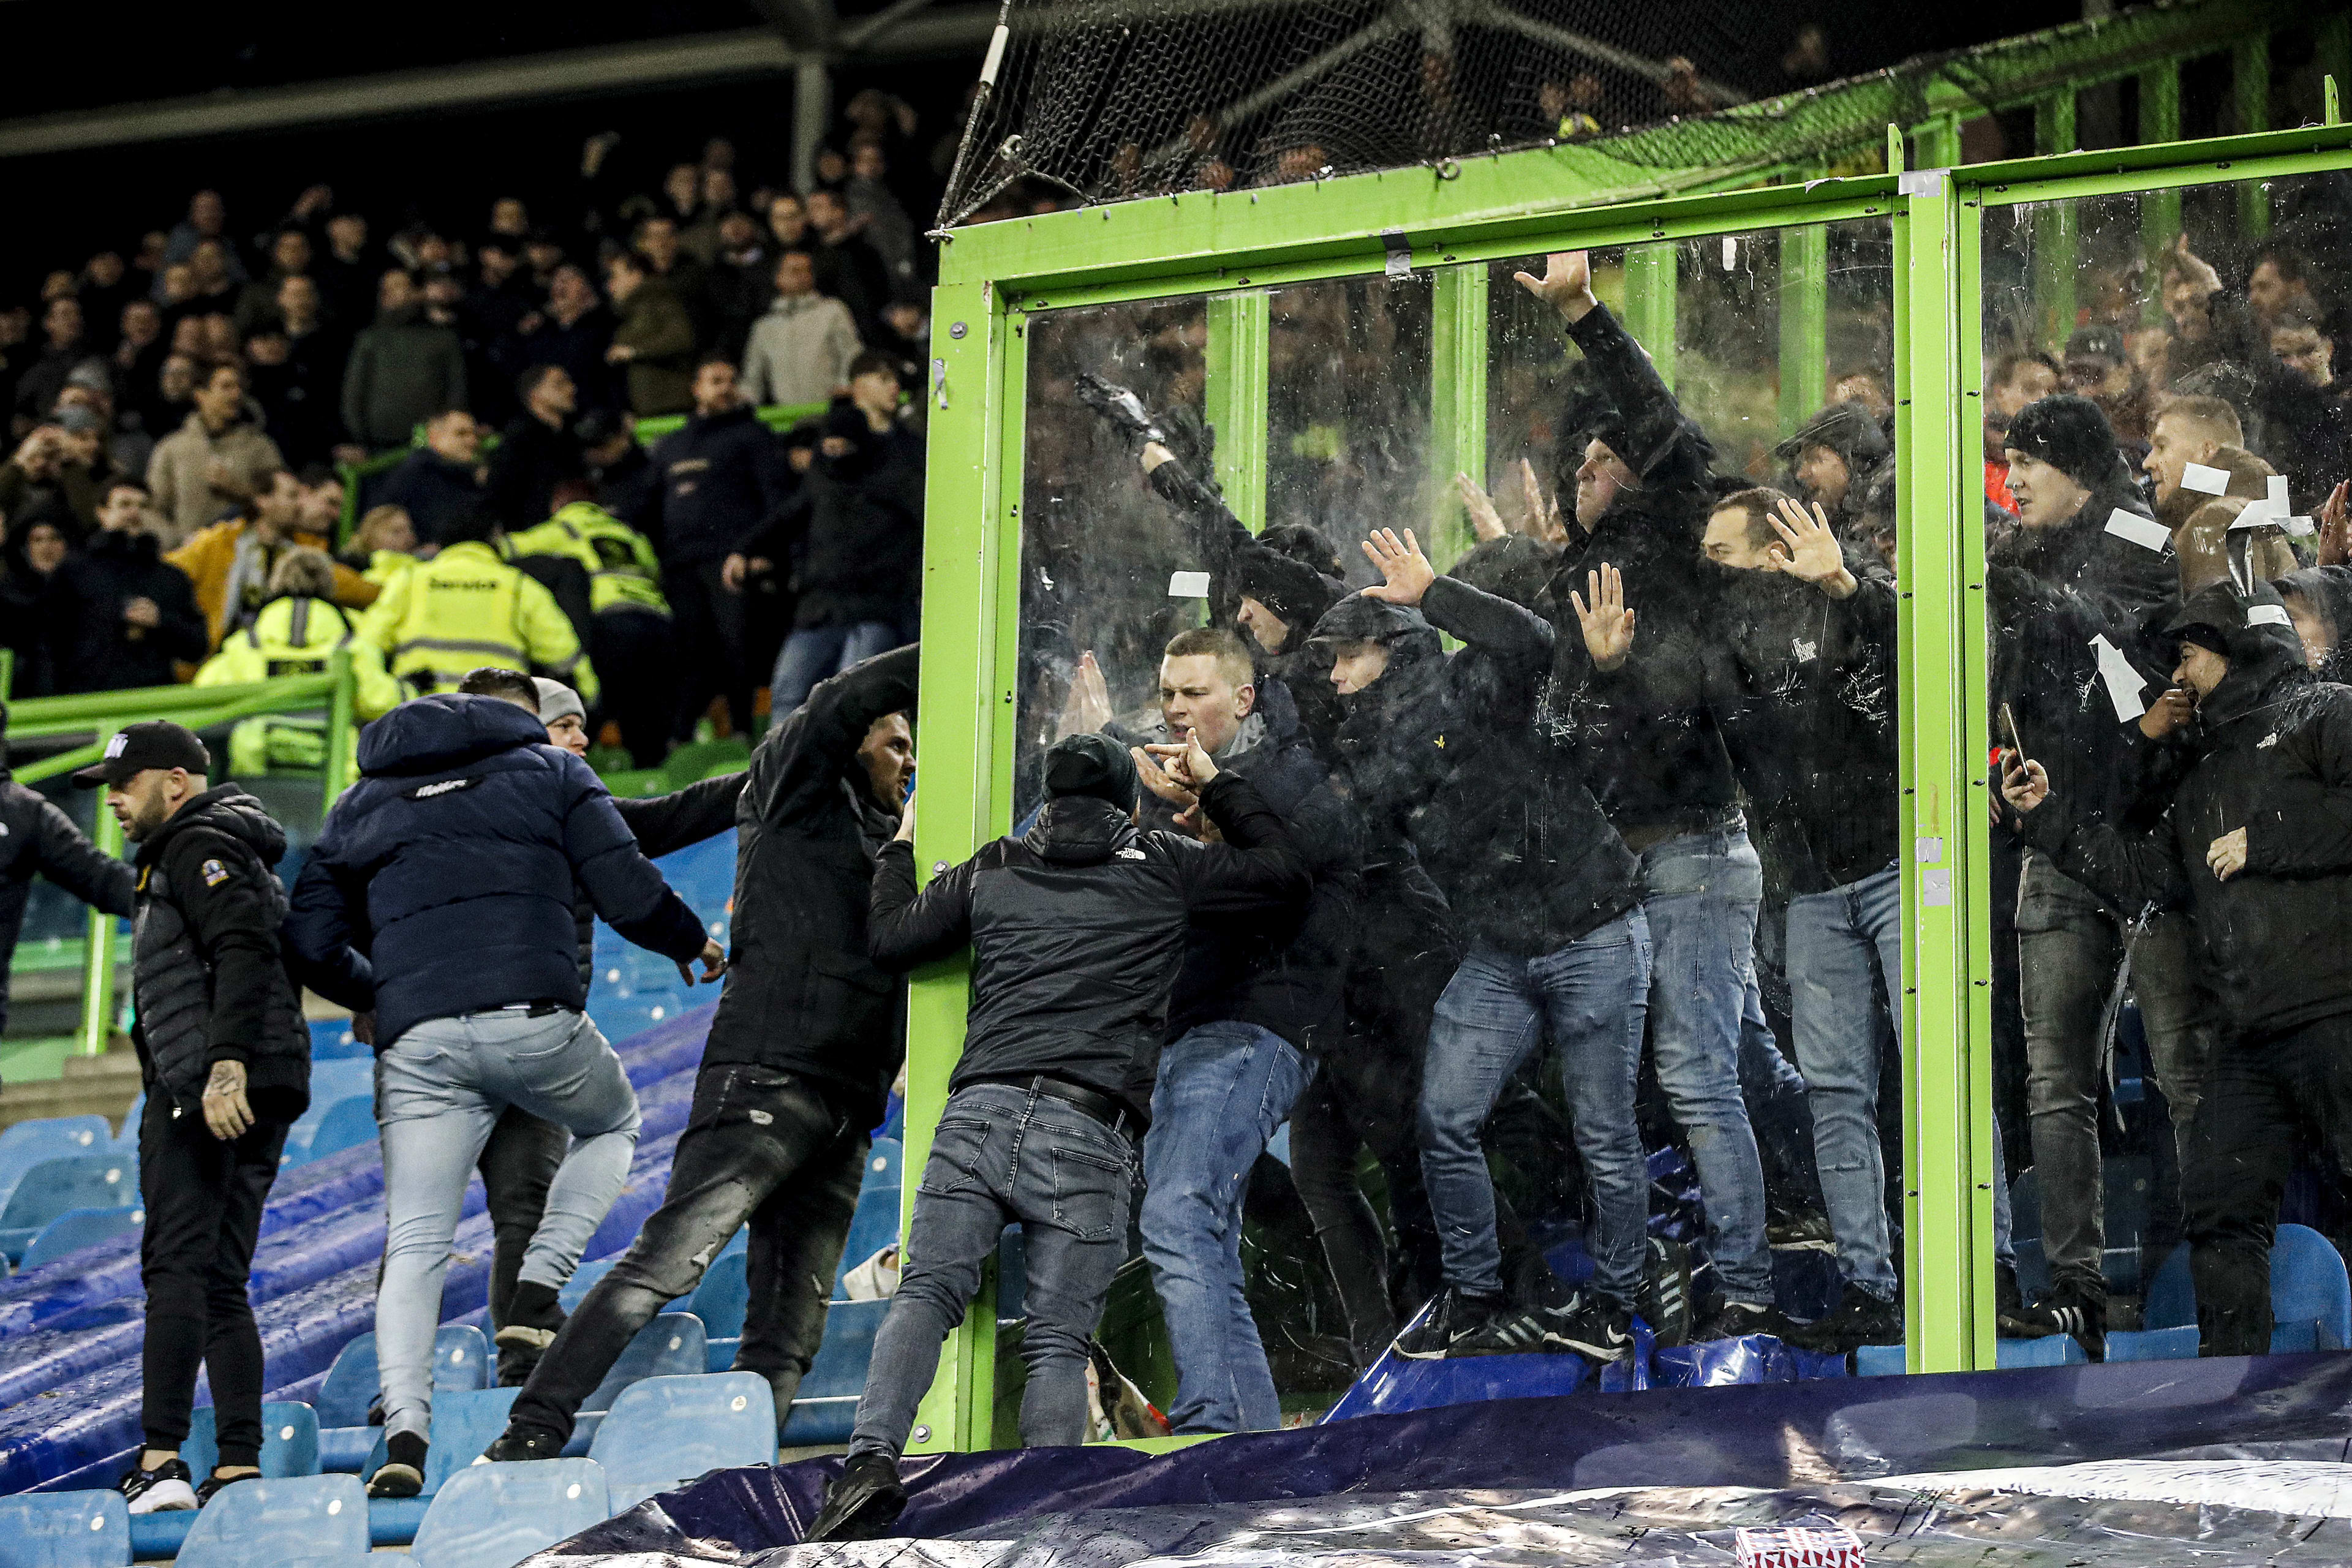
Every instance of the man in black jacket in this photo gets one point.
(808, 1038)
(715, 480)
(125, 614)
(537, 450)
(34, 836)
(1547, 896)
(1078, 932)
(1643, 490)
(2084, 569)
(225, 1060)
(2257, 844)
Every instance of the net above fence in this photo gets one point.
(1102, 101)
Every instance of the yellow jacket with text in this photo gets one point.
(466, 608)
(296, 634)
(622, 571)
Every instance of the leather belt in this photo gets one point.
(1115, 1114)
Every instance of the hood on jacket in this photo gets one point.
(1846, 428)
(447, 730)
(224, 809)
(1079, 830)
(1405, 633)
(2326, 593)
(2260, 642)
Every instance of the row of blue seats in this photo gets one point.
(661, 1434)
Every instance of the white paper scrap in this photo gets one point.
(2268, 615)
(1188, 585)
(2204, 480)
(2276, 493)
(2257, 514)
(2301, 527)
(2143, 532)
(2124, 684)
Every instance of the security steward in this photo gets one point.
(468, 607)
(297, 631)
(225, 1057)
(629, 622)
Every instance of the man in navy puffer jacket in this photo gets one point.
(439, 897)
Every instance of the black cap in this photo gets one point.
(1091, 765)
(597, 427)
(155, 743)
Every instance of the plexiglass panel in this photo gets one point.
(2164, 423)
(1603, 862)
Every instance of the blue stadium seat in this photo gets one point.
(54, 1187)
(77, 1228)
(128, 1138)
(826, 1406)
(349, 1123)
(665, 1431)
(289, 1441)
(884, 1163)
(308, 1520)
(332, 1040)
(340, 1078)
(493, 1516)
(583, 1279)
(2058, 1349)
(874, 1226)
(65, 1529)
(2153, 1344)
(672, 1345)
(2311, 1294)
(464, 1423)
(29, 1144)
(461, 1363)
(621, 1017)
(721, 1298)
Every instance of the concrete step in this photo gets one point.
(103, 1086)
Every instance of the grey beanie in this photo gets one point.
(556, 700)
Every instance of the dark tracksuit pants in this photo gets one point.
(637, 662)
(761, 1146)
(204, 1200)
(707, 622)
(2263, 1098)
(518, 1163)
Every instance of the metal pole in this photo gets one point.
(1804, 322)
(98, 952)
(1650, 275)
(2054, 229)
(342, 733)
(2250, 93)
(1457, 401)
(812, 113)
(2159, 211)
(1234, 400)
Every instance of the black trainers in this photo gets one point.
(1737, 1319)
(522, 1443)
(1594, 1328)
(402, 1474)
(1859, 1319)
(1800, 1230)
(1451, 1313)
(2070, 1307)
(862, 1503)
(1501, 1331)
(1664, 1299)
(2006, 1295)
(533, 1320)
(213, 1485)
(166, 1489)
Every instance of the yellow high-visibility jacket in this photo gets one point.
(466, 608)
(622, 571)
(295, 635)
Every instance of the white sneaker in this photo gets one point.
(166, 1489)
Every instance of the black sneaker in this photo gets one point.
(1451, 1313)
(1664, 1299)
(2008, 1296)
(402, 1474)
(1859, 1319)
(522, 1443)
(1737, 1319)
(1800, 1230)
(2069, 1307)
(1596, 1329)
(533, 1320)
(213, 1485)
(862, 1503)
(1501, 1331)
(166, 1489)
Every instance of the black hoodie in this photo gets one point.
(2271, 753)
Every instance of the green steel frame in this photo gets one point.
(1232, 247)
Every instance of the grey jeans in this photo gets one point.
(440, 1088)
(1002, 1155)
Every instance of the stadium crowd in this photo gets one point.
(188, 416)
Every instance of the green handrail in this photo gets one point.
(99, 714)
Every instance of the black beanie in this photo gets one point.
(1091, 765)
(2069, 433)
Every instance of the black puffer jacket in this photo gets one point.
(34, 836)
(801, 994)
(662, 823)
(1078, 932)
(2272, 753)
(98, 650)
(209, 979)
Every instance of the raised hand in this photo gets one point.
(1119, 405)
(2335, 526)
(1542, 516)
(1087, 707)
(1608, 624)
(1406, 570)
(1566, 285)
(2025, 784)
(1485, 520)
(1159, 781)
(1809, 550)
(1188, 764)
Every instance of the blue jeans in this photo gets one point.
(439, 1090)
(1701, 891)
(817, 654)
(1590, 996)
(1839, 942)
(1224, 1088)
(999, 1156)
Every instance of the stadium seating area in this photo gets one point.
(69, 1330)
